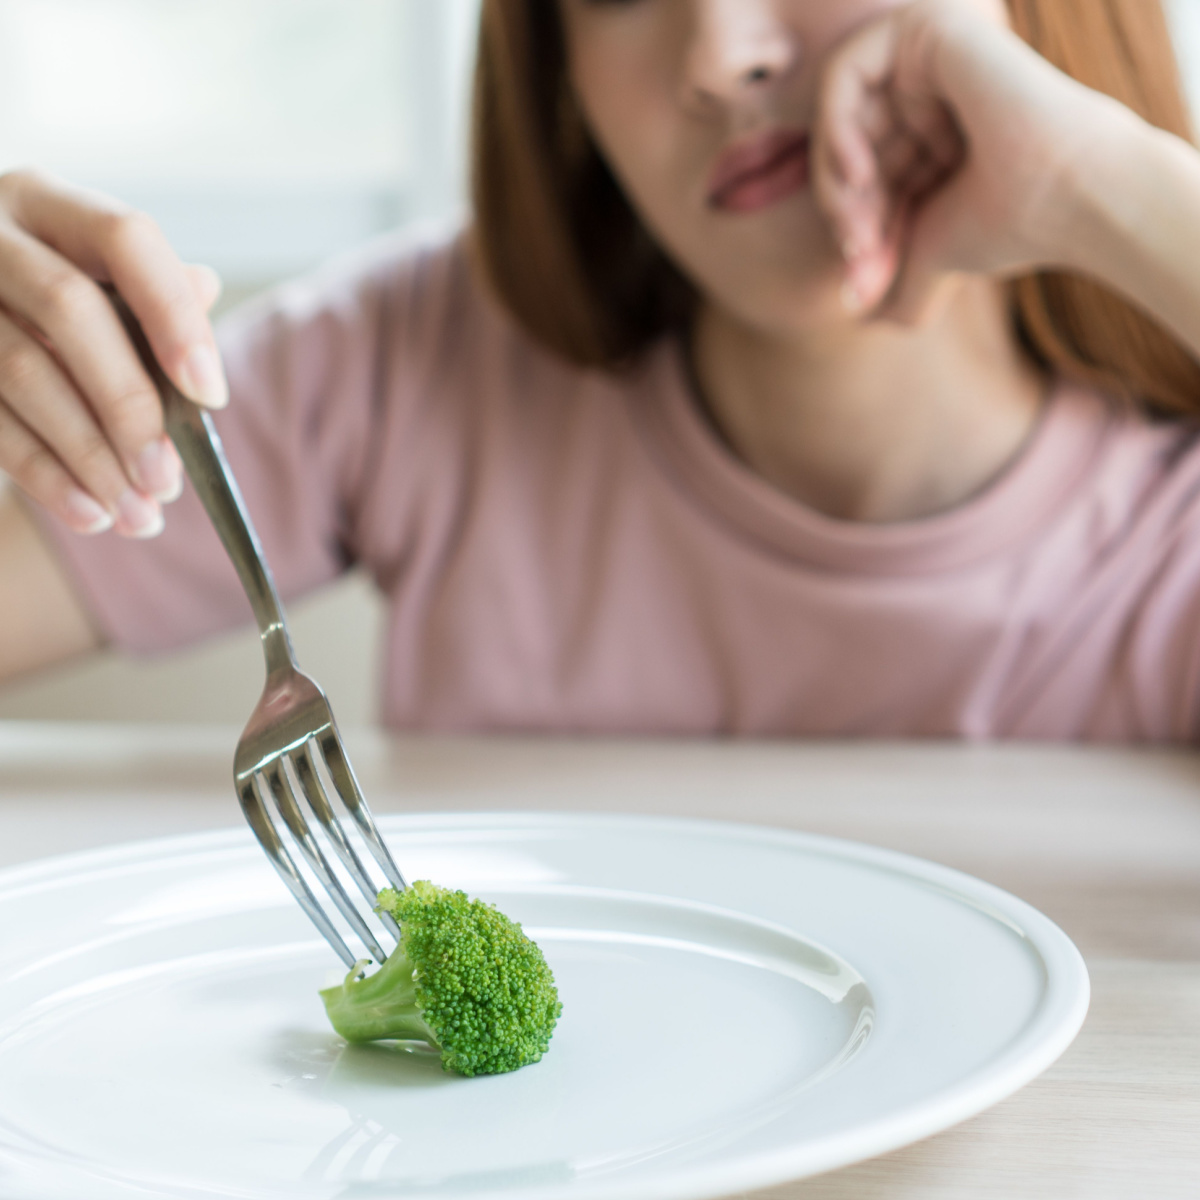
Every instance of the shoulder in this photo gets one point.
(414, 300)
(1130, 498)
(1135, 516)
(1144, 470)
(400, 267)
(1117, 466)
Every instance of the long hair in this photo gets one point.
(571, 260)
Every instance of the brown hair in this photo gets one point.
(569, 257)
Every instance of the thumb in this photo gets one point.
(919, 295)
(922, 303)
(924, 280)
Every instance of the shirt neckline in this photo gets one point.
(1017, 504)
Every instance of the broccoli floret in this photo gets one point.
(464, 978)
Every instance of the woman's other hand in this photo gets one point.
(945, 144)
(81, 426)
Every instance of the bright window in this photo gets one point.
(1185, 20)
(263, 134)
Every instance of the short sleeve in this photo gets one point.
(307, 366)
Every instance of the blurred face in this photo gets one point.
(703, 110)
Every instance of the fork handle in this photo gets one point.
(199, 446)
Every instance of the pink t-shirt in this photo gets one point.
(567, 550)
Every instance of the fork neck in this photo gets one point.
(277, 646)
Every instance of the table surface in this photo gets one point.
(1105, 842)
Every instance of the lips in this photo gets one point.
(760, 172)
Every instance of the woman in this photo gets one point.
(804, 373)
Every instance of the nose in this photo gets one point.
(737, 47)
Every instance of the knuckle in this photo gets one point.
(127, 232)
(93, 455)
(20, 366)
(94, 462)
(132, 415)
(16, 181)
(66, 295)
(33, 468)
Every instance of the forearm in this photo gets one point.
(1134, 225)
(41, 620)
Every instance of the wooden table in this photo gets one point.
(1107, 843)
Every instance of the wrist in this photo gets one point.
(1107, 194)
(1135, 226)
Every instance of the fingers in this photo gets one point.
(35, 469)
(871, 276)
(109, 387)
(108, 242)
(81, 425)
(45, 424)
(885, 147)
(884, 143)
(853, 115)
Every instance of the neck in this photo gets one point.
(873, 421)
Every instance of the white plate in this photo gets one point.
(741, 1006)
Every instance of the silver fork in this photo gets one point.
(291, 739)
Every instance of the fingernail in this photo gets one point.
(159, 472)
(852, 300)
(84, 515)
(138, 516)
(204, 381)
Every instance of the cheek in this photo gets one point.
(621, 75)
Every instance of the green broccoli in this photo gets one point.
(464, 978)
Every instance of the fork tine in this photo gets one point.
(351, 795)
(264, 829)
(318, 801)
(285, 802)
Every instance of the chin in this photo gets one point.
(782, 275)
(785, 304)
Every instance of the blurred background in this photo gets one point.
(264, 136)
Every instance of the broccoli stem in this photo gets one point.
(380, 1007)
